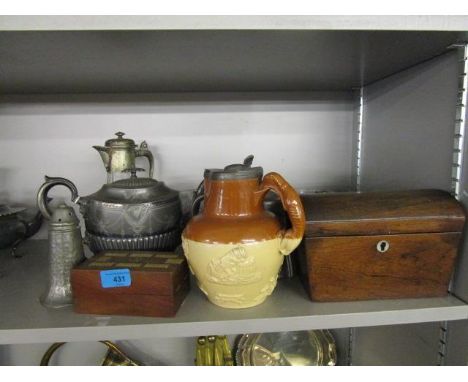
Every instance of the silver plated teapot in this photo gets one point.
(133, 213)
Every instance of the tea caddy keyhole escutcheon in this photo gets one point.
(234, 246)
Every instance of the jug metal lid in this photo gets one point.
(236, 171)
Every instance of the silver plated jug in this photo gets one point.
(118, 155)
(65, 251)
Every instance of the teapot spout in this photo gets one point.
(104, 152)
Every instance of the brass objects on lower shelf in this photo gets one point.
(114, 356)
(213, 351)
(298, 348)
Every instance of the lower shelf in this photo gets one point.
(24, 320)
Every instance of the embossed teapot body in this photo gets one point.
(235, 247)
(134, 213)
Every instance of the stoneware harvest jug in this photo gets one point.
(235, 247)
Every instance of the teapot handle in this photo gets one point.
(143, 151)
(291, 201)
(198, 197)
(50, 182)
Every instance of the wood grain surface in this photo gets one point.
(382, 213)
(339, 257)
(159, 284)
(97, 301)
(351, 268)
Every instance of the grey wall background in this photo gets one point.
(404, 345)
(291, 136)
(460, 285)
(408, 127)
(457, 337)
(307, 137)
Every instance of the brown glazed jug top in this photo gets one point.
(232, 198)
(233, 212)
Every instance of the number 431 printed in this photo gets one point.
(119, 279)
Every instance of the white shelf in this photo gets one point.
(24, 320)
(441, 23)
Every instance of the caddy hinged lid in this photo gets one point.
(382, 213)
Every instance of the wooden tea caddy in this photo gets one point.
(376, 245)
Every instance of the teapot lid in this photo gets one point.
(135, 190)
(133, 181)
(120, 141)
(235, 171)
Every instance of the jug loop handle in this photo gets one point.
(143, 151)
(42, 199)
(292, 204)
(196, 204)
(198, 198)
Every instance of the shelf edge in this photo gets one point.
(193, 329)
(198, 22)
